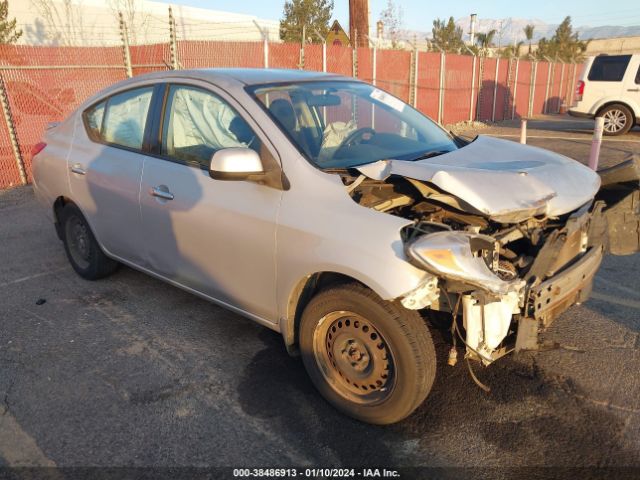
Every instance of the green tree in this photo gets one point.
(511, 50)
(564, 45)
(485, 40)
(528, 33)
(8, 31)
(447, 35)
(314, 14)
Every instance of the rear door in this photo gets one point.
(604, 79)
(105, 168)
(215, 237)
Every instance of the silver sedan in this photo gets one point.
(332, 212)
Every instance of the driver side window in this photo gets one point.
(198, 123)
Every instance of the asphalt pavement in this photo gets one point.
(129, 371)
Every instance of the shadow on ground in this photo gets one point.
(526, 419)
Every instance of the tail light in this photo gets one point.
(37, 148)
(579, 90)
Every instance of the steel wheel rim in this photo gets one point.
(614, 120)
(78, 240)
(354, 358)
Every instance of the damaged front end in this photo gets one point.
(508, 275)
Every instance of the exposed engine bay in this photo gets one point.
(508, 278)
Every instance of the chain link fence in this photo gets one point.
(44, 84)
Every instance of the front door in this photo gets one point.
(216, 237)
(631, 85)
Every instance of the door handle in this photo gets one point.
(161, 193)
(633, 89)
(77, 168)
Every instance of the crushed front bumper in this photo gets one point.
(555, 295)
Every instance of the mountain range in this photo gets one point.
(510, 30)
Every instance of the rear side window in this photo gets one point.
(94, 118)
(121, 119)
(609, 68)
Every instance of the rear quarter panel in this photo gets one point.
(50, 173)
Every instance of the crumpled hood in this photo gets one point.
(504, 180)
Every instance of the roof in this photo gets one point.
(337, 36)
(253, 76)
(246, 76)
(224, 77)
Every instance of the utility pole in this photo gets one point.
(126, 54)
(354, 54)
(359, 22)
(303, 40)
(413, 73)
(379, 32)
(472, 29)
(173, 42)
(264, 33)
(324, 49)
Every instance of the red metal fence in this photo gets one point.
(9, 174)
(44, 84)
(428, 85)
(458, 78)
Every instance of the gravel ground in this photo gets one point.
(129, 371)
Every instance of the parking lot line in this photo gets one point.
(617, 286)
(624, 302)
(30, 277)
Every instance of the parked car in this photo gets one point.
(610, 88)
(334, 213)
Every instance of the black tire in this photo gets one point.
(352, 312)
(618, 119)
(84, 253)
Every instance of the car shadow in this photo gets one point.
(275, 387)
(528, 418)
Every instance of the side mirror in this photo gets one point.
(236, 163)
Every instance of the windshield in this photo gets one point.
(339, 124)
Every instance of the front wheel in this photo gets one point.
(618, 119)
(371, 359)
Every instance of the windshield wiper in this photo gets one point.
(431, 154)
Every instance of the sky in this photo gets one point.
(419, 14)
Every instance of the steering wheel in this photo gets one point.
(353, 136)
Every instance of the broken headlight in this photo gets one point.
(459, 256)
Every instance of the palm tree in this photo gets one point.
(512, 50)
(528, 32)
(485, 40)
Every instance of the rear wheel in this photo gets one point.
(618, 119)
(84, 253)
(371, 359)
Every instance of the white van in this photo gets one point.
(610, 88)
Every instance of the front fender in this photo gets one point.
(321, 229)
